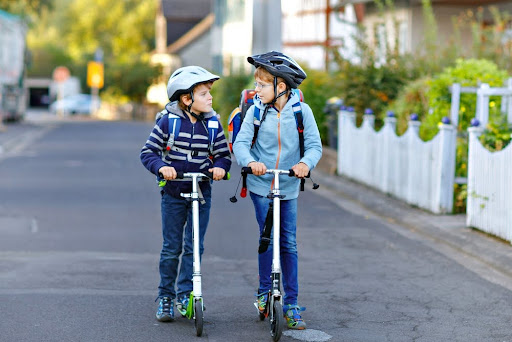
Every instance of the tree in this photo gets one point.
(70, 31)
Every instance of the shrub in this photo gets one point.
(317, 88)
(226, 94)
(411, 99)
(469, 73)
(497, 134)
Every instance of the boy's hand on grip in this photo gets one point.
(301, 170)
(218, 173)
(257, 168)
(168, 172)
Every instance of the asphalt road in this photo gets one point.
(80, 240)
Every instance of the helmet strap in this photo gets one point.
(189, 107)
(276, 95)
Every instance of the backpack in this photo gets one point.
(246, 101)
(175, 125)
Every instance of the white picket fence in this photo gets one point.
(420, 173)
(489, 202)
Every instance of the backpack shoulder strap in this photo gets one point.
(213, 130)
(297, 110)
(174, 130)
(257, 123)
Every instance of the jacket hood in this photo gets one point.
(174, 108)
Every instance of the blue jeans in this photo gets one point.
(176, 228)
(288, 248)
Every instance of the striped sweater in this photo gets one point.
(190, 150)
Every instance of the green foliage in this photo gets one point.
(130, 79)
(24, 8)
(317, 88)
(497, 134)
(469, 73)
(412, 98)
(226, 94)
(68, 32)
(369, 86)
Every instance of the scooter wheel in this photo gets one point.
(198, 317)
(276, 321)
(262, 316)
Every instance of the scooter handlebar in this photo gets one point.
(248, 171)
(181, 175)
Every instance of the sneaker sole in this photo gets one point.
(165, 319)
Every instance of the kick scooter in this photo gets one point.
(195, 306)
(274, 306)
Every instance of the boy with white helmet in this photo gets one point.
(192, 150)
(277, 146)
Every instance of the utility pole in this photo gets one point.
(266, 26)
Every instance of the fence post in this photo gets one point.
(388, 156)
(446, 172)
(508, 109)
(346, 120)
(474, 132)
(455, 105)
(413, 134)
(482, 104)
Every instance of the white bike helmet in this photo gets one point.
(184, 79)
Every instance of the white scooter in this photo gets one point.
(195, 306)
(274, 306)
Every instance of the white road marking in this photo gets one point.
(309, 335)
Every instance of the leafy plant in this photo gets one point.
(468, 73)
(226, 94)
(497, 134)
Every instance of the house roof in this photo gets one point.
(183, 15)
(198, 30)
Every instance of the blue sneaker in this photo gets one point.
(165, 312)
(293, 318)
(182, 305)
(262, 301)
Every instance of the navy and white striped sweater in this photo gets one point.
(193, 137)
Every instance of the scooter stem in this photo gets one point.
(276, 259)
(196, 275)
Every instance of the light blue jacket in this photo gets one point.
(277, 146)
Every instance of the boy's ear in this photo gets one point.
(281, 86)
(185, 98)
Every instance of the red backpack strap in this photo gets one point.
(297, 110)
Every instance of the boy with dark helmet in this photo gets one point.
(277, 147)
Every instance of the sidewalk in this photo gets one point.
(448, 232)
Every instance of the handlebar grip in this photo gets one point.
(291, 173)
(246, 170)
(208, 174)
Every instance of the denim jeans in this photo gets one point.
(176, 228)
(288, 248)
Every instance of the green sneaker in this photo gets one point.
(262, 301)
(293, 318)
(182, 304)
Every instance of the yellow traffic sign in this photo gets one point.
(95, 74)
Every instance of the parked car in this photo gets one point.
(75, 104)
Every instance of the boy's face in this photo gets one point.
(265, 90)
(202, 99)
